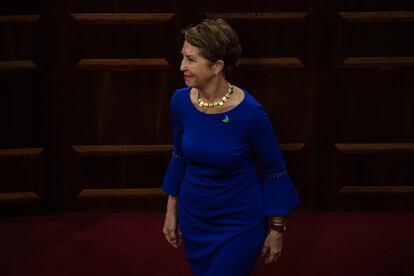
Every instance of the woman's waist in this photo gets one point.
(232, 194)
(217, 173)
(223, 208)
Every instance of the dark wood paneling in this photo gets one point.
(123, 64)
(19, 197)
(270, 63)
(365, 112)
(376, 148)
(378, 62)
(19, 19)
(122, 18)
(24, 108)
(28, 153)
(276, 17)
(121, 150)
(18, 66)
(378, 16)
(144, 193)
(22, 178)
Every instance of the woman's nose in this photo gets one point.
(182, 66)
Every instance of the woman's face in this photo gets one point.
(197, 70)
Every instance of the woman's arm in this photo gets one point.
(176, 168)
(170, 229)
(174, 176)
(279, 192)
(172, 204)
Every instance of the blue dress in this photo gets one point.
(223, 201)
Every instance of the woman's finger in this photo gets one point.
(173, 239)
(168, 237)
(173, 235)
(265, 249)
(165, 232)
(269, 258)
(273, 257)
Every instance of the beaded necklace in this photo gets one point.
(219, 102)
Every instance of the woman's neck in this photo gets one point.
(215, 89)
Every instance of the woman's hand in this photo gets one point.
(272, 247)
(171, 230)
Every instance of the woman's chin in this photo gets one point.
(188, 83)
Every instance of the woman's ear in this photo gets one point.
(218, 66)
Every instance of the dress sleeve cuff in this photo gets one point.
(280, 196)
(174, 175)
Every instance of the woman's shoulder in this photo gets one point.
(179, 95)
(255, 111)
(181, 91)
(251, 103)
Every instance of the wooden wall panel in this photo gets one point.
(20, 177)
(131, 166)
(368, 99)
(369, 172)
(24, 103)
(376, 39)
(121, 75)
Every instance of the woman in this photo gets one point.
(217, 205)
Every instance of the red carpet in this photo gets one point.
(338, 244)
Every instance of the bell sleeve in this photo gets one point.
(177, 165)
(280, 195)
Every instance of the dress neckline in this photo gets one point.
(212, 114)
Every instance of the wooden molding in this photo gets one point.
(376, 190)
(377, 16)
(380, 62)
(18, 66)
(270, 63)
(20, 153)
(122, 64)
(124, 150)
(22, 197)
(375, 148)
(96, 194)
(121, 150)
(122, 18)
(291, 147)
(261, 16)
(19, 19)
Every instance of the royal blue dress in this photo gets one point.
(223, 201)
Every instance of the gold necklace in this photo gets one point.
(222, 101)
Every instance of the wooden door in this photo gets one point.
(365, 107)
